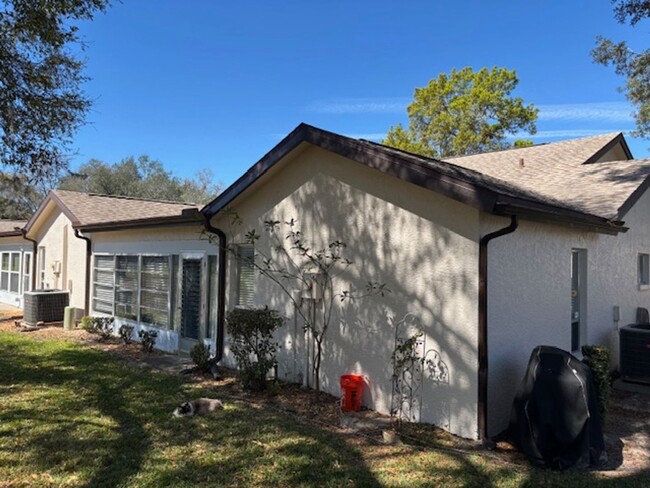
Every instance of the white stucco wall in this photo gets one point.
(14, 244)
(422, 245)
(55, 233)
(173, 239)
(529, 295)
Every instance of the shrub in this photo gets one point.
(148, 340)
(104, 325)
(251, 332)
(126, 333)
(99, 325)
(597, 358)
(200, 354)
(87, 324)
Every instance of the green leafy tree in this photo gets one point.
(464, 112)
(41, 101)
(18, 199)
(140, 178)
(633, 65)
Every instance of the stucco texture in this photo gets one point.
(57, 236)
(421, 245)
(529, 297)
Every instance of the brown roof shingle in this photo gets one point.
(89, 208)
(8, 227)
(557, 172)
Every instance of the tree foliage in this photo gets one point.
(41, 101)
(140, 178)
(18, 199)
(464, 112)
(633, 65)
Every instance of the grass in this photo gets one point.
(73, 416)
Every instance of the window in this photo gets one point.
(133, 287)
(246, 276)
(27, 271)
(644, 270)
(4, 271)
(154, 290)
(212, 296)
(10, 272)
(41, 264)
(126, 287)
(103, 284)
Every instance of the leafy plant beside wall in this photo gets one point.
(99, 325)
(126, 333)
(201, 356)
(147, 340)
(283, 254)
(597, 358)
(251, 332)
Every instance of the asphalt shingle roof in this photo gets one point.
(557, 172)
(89, 208)
(9, 226)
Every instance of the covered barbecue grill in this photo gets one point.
(555, 419)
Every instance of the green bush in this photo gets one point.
(200, 354)
(251, 334)
(597, 358)
(98, 325)
(147, 340)
(126, 333)
(87, 324)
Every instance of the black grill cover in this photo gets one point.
(555, 419)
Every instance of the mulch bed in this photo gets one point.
(627, 431)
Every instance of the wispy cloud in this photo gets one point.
(562, 133)
(599, 111)
(359, 106)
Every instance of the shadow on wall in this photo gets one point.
(430, 268)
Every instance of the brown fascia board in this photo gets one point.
(633, 198)
(11, 233)
(409, 168)
(619, 139)
(507, 206)
(193, 218)
(415, 172)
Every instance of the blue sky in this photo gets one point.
(207, 84)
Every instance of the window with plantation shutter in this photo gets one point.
(103, 284)
(154, 290)
(246, 276)
(126, 287)
(4, 271)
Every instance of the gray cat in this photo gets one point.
(200, 406)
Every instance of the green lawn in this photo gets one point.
(73, 416)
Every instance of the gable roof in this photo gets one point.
(570, 172)
(488, 193)
(8, 227)
(89, 211)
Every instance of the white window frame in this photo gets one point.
(643, 271)
(26, 284)
(41, 266)
(238, 260)
(138, 289)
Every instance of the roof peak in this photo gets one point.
(123, 197)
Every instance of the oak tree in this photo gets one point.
(41, 99)
(633, 64)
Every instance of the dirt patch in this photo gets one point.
(627, 429)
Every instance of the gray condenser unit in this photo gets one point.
(45, 306)
(635, 352)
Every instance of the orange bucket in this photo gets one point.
(352, 386)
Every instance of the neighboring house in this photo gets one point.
(560, 232)
(143, 261)
(16, 256)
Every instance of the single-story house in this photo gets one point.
(145, 262)
(488, 256)
(16, 256)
